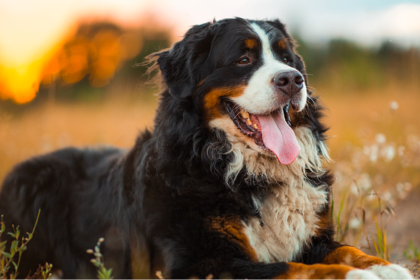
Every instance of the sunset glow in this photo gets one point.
(97, 55)
(40, 44)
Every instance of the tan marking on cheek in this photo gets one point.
(250, 43)
(354, 257)
(212, 100)
(282, 44)
(233, 230)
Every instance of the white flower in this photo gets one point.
(401, 190)
(353, 188)
(389, 153)
(380, 138)
(354, 223)
(387, 196)
(371, 196)
(393, 105)
(364, 182)
(400, 187)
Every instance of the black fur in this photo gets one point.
(161, 193)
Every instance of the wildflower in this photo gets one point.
(389, 153)
(401, 190)
(400, 187)
(365, 182)
(380, 138)
(354, 223)
(353, 189)
(371, 196)
(393, 105)
(387, 196)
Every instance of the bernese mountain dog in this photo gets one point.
(229, 183)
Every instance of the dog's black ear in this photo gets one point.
(186, 63)
(280, 26)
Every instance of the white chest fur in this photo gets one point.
(288, 214)
(288, 217)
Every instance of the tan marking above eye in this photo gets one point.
(282, 44)
(250, 43)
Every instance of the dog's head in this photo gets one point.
(241, 77)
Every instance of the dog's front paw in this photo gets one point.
(392, 271)
(361, 274)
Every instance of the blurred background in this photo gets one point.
(67, 78)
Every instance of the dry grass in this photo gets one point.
(376, 152)
(376, 149)
(50, 127)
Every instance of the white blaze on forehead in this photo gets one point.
(260, 95)
(267, 53)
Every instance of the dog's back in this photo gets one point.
(66, 185)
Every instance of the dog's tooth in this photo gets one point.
(244, 114)
(255, 126)
(248, 122)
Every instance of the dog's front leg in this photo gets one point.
(256, 270)
(323, 271)
(354, 257)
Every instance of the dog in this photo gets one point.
(229, 183)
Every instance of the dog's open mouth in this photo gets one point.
(271, 131)
(247, 123)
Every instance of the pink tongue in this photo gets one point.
(279, 137)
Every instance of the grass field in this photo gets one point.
(374, 144)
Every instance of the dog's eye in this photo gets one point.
(244, 60)
(286, 59)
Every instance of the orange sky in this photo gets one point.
(31, 33)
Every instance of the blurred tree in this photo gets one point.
(97, 54)
(313, 55)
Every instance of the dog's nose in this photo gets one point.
(289, 82)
